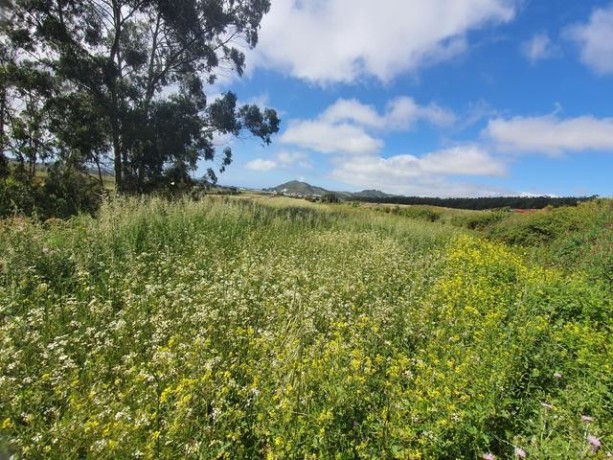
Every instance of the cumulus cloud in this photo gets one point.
(261, 165)
(354, 111)
(287, 158)
(345, 40)
(344, 126)
(428, 175)
(469, 160)
(539, 47)
(325, 137)
(550, 134)
(400, 114)
(594, 40)
(345, 132)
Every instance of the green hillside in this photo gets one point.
(304, 189)
(298, 188)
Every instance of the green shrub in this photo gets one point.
(570, 238)
(421, 213)
(64, 192)
(69, 192)
(18, 197)
(478, 220)
(330, 198)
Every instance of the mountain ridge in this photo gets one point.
(295, 187)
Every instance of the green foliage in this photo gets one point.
(68, 192)
(18, 196)
(480, 203)
(478, 220)
(125, 80)
(330, 198)
(418, 212)
(226, 328)
(63, 192)
(572, 238)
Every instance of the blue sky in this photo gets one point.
(433, 97)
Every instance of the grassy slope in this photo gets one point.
(235, 328)
(569, 238)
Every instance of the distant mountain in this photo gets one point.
(295, 187)
(371, 194)
(302, 189)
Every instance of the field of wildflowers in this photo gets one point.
(231, 328)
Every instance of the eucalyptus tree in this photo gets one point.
(130, 78)
(24, 122)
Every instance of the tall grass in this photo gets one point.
(571, 238)
(229, 328)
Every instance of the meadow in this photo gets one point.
(269, 328)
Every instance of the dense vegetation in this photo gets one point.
(234, 328)
(569, 238)
(480, 203)
(61, 192)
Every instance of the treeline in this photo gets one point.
(482, 203)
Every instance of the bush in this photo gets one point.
(478, 220)
(18, 197)
(330, 198)
(63, 193)
(571, 238)
(421, 213)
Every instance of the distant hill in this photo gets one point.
(302, 189)
(295, 187)
(371, 194)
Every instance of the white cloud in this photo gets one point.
(326, 137)
(427, 175)
(344, 130)
(594, 40)
(343, 127)
(401, 113)
(539, 47)
(404, 111)
(261, 165)
(353, 110)
(345, 40)
(551, 134)
(261, 100)
(287, 158)
(475, 113)
(469, 160)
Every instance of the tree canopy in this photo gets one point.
(87, 80)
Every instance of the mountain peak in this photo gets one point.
(295, 187)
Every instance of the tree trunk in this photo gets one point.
(117, 157)
(115, 58)
(97, 160)
(4, 171)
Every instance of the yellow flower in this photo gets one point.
(7, 423)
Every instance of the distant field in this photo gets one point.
(258, 327)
